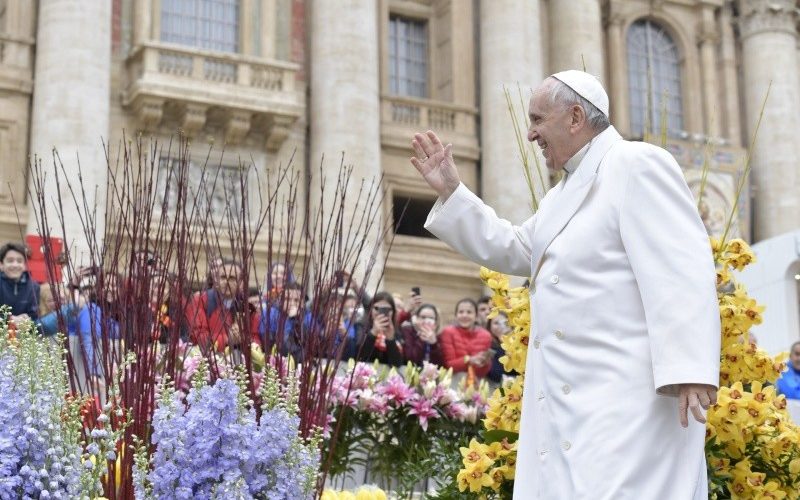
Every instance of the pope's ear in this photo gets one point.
(578, 117)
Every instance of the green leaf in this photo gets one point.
(496, 435)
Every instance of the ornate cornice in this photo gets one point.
(763, 16)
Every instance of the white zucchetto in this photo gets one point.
(586, 85)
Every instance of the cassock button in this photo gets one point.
(554, 279)
(543, 452)
(566, 389)
(566, 445)
(559, 334)
(536, 342)
(541, 395)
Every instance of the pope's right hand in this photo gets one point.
(435, 163)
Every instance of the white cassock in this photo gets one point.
(624, 306)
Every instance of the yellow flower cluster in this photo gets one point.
(752, 447)
(363, 493)
(514, 302)
(735, 253)
(487, 465)
(505, 406)
(491, 465)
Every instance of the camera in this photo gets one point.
(415, 290)
(384, 310)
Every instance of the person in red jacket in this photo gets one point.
(217, 315)
(466, 344)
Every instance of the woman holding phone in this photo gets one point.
(466, 347)
(421, 336)
(377, 337)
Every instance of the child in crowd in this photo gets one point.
(498, 327)
(17, 289)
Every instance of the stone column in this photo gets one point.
(142, 22)
(345, 99)
(576, 32)
(730, 77)
(507, 60)
(707, 44)
(769, 54)
(618, 75)
(70, 112)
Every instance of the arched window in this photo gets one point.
(654, 79)
(207, 24)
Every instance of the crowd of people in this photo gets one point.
(390, 328)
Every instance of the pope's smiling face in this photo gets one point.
(553, 127)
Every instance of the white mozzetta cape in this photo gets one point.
(624, 307)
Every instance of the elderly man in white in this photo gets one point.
(625, 332)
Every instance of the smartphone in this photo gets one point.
(415, 290)
(384, 311)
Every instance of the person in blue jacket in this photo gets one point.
(17, 289)
(97, 330)
(283, 323)
(789, 383)
(60, 307)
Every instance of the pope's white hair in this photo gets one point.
(562, 95)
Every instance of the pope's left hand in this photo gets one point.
(694, 397)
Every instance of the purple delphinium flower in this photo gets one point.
(36, 458)
(214, 446)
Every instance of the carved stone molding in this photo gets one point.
(150, 111)
(760, 16)
(612, 14)
(707, 33)
(237, 126)
(278, 130)
(207, 93)
(193, 118)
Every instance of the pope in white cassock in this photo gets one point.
(625, 333)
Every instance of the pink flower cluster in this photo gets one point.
(426, 393)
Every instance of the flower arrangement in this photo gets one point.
(399, 426)
(213, 446)
(488, 466)
(752, 446)
(45, 451)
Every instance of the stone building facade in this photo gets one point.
(321, 77)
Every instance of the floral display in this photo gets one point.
(752, 446)
(488, 466)
(44, 451)
(403, 426)
(214, 446)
